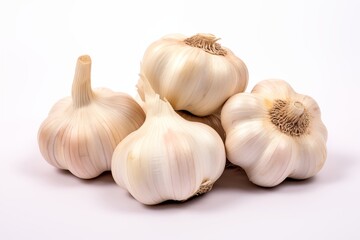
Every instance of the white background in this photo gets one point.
(314, 45)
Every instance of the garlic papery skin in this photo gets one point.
(212, 120)
(274, 133)
(168, 157)
(195, 74)
(82, 131)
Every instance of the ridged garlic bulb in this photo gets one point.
(168, 157)
(195, 74)
(82, 131)
(274, 133)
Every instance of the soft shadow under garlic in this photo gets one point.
(234, 179)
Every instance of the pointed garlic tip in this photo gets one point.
(153, 101)
(145, 87)
(207, 42)
(82, 93)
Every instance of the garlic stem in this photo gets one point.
(154, 103)
(82, 93)
(207, 42)
(296, 109)
(290, 117)
(156, 107)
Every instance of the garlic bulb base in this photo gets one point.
(206, 42)
(290, 117)
(205, 187)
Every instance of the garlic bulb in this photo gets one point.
(195, 74)
(168, 157)
(82, 131)
(274, 133)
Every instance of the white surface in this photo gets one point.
(314, 45)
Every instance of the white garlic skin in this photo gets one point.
(82, 131)
(256, 144)
(168, 157)
(190, 78)
(212, 120)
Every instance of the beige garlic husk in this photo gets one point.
(274, 133)
(212, 120)
(168, 157)
(195, 74)
(82, 131)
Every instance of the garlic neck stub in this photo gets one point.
(274, 133)
(168, 157)
(82, 93)
(82, 131)
(206, 42)
(290, 117)
(195, 74)
(212, 120)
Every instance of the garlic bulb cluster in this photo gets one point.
(189, 119)
(82, 131)
(195, 74)
(274, 133)
(168, 157)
